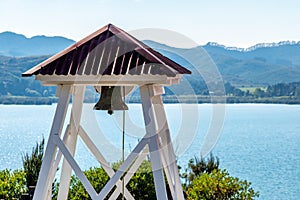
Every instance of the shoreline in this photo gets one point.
(23, 100)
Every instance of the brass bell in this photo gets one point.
(110, 99)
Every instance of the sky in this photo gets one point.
(234, 23)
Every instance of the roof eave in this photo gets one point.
(94, 80)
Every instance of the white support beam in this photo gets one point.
(78, 96)
(168, 154)
(123, 168)
(79, 173)
(157, 142)
(130, 173)
(146, 92)
(44, 184)
(59, 154)
(119, 80)
(105, 165)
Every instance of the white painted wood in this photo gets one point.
(168, 173)
(156, 91)
(43, 185)
(162, 131)
(123, 168)
(79, 173)
(156, 141)
(100, 158)
(150, 123)
(168, 154)
(113, 80)
(131, 172)
(59, 154)
(78, 96)
(134, 167)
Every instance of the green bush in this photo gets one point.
(204, 180)
(219, 185)
(198, 166)
(141, 185)
(97, 177)
(12, 184)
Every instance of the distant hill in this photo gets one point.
(262, 64)
(13, 44)
(258, 66)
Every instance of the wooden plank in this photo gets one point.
(82, 59)
(79, 173)
(75, 118)
(43, 184)
(154, 148)
(126, 80)
(98, 54)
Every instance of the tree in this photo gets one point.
(198, 166)
(258, 93)
(32, 163)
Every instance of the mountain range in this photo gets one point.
(13, 44)
(261, 65)
(257, 66)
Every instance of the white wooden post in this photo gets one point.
(59, 155)
(147, 92)
(43, 185)
(157, 141)
(168, 154)
(78, 96)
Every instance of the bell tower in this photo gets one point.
(108, 59)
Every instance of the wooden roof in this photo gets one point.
(109, 51)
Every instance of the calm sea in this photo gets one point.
(257, 142)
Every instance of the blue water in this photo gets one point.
(258, 142)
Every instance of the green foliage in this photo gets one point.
(233, 91)
(141, 185)
(198, 166)
(204, 180)
(259, 93)
(97, 177)
(12, 184)
(11, 82)
(32, 163)
(219, 185)
(284, 89)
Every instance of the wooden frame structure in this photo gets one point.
(156, 142)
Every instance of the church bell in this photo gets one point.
(110, 99)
